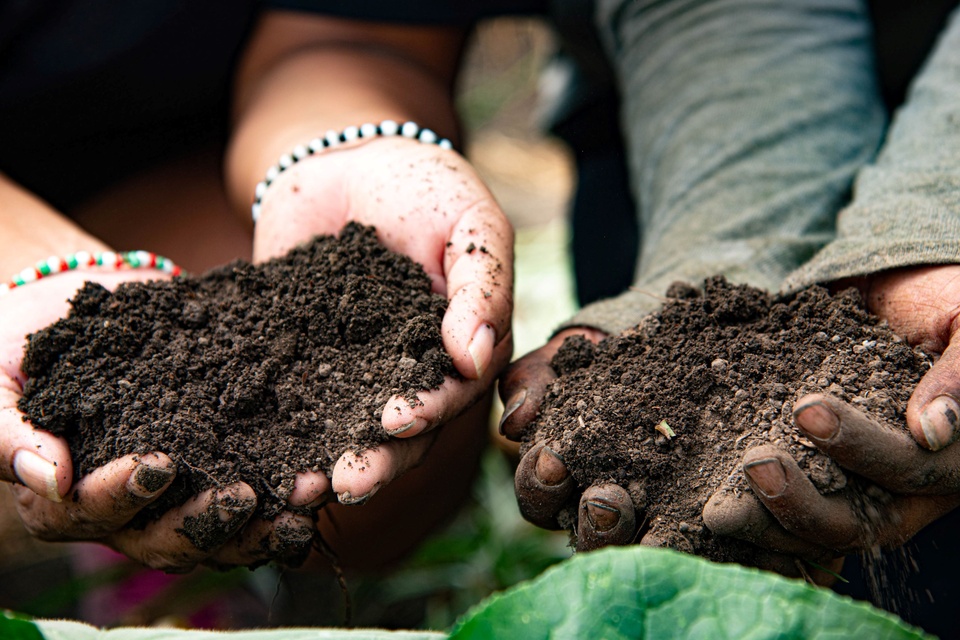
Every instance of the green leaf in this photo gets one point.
(640, 592)
(14, 627)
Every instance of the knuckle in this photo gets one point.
(927, 477)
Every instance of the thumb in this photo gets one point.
(933, 413)
(921, 305)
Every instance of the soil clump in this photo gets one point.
(722, 368)
(245, 373)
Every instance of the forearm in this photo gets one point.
(745, 124)
(906, 206)
(332, 74)
(32, 230)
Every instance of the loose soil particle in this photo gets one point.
(722, 369)
(249, 373)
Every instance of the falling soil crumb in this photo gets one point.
(722, 370)
(245, 373)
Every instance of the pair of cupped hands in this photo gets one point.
(915, 475)
(429, 204)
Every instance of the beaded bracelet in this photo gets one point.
(81, 259)
(332, 138)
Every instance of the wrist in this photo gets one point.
(345, 139)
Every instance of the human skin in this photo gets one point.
(785, 516)
(300, 77)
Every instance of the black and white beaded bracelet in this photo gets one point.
(387, 128)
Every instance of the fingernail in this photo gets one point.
(601, 515)
(768, 475)
(37, 474)
(347, 498)
(515, 403)
(229, 506)
(817, 420)
(148, 480)
(403, 428)
(481, 347)
(939, 422)
(550, 470)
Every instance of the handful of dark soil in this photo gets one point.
(667, 409)
(250, 373)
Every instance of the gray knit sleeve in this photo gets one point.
(906, 205)
(746, 122)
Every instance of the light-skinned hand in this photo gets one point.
(428, 204)
(49, 503)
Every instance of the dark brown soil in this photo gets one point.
(723, 369)
(249, 373)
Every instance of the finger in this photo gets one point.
(889, 457)
(606, 517)
(286, 540)
(920, 305)
(186, 536)
(933, 412)
(740, 515)
(543, 486)
(791, 497)
(524, 384)
(405, 419)
(99, 503)
(842, 522)
(37, 459)
(478, 265)
(358, 476)
(310, 489)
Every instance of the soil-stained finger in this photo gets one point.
(524, 383)
(478, 264)
(432, 408)
(741, 515)
(933, 412)
(310, 489)
(52, 479)
(890, 458)
(543, 486)
(285, 540)
(606, 517)
(358, 476)
(184, 537)
(101, 502)
(791, 497)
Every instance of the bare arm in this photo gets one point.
(303, 75)
(32, 230)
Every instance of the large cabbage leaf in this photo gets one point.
(644, 593)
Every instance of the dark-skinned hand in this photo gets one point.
(911, 481)
(912, 478)
(606, 514)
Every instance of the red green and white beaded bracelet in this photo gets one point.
(84, 259)
(385, 129)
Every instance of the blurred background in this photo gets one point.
(488, 546)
